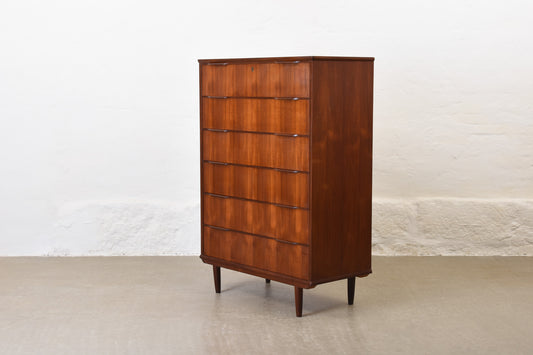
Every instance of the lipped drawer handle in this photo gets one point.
(219, 228)
(287, 242)
(215, 162)
(215, 195)
(288, 62)
(285, 206)
(217, 130)
(287, 171)
(217, 63)
(287, 98)
(217, 97)
(285, 135)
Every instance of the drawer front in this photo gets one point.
(267, 150)
(256, 80)
(283, 223)
(270, 185)
(262, 253)
(256, 115)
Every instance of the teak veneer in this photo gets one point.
(286, 168)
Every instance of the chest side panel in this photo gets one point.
(341, 168)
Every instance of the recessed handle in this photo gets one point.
(285, 206)
(217, 130)
(287, 171)
(217, 63)
(219, 228)
(216, 162)
(288, 62)
(215, 195)
(287, 98)
(217, 97)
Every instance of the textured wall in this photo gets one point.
(406, 227)
(99, 118)
(453, 227)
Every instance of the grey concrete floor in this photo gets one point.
(167, 305)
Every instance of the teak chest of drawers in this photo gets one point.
(286, 168)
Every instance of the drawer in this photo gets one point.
(262, 253)
(256, 80)
(276, 221)
(256, 115)
(271, 185)
(267, 150)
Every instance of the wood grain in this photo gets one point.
(286, 188)
(262, 253)
(289, 224)
(265, 150)
(256, 80)
(341, 202)
(257, 115)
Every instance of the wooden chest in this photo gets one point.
(286, 168)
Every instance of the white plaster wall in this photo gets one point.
(99, 118)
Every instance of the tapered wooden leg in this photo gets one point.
(267, 281)
(298, 296)
(351, 289)
(216, 275)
